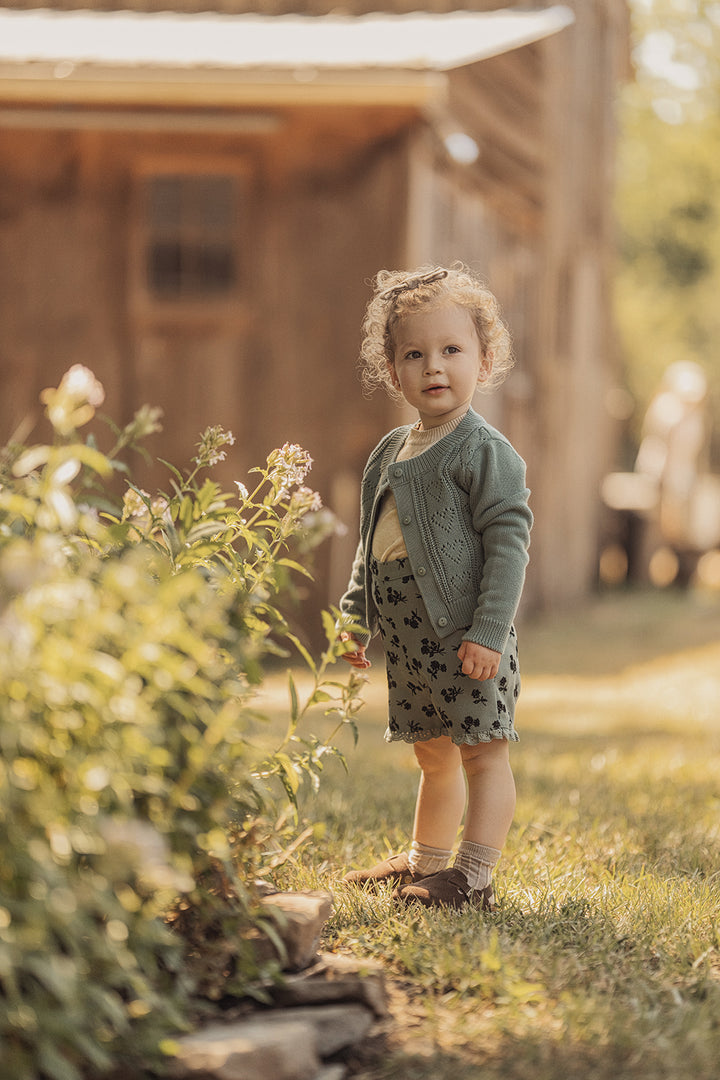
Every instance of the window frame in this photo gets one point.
(148, 307)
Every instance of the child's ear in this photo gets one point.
(485, 369)
(393, 374)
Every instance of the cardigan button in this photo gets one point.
(422, 571)
(407, 519)
(397, 472)
(442, 621)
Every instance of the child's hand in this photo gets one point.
(478, 662)
(355, 656)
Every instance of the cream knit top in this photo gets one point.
(388, 542)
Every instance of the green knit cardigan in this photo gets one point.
(463, 510)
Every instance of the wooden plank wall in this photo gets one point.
(286, 372)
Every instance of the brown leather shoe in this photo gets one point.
(448, 888)
(395, 870)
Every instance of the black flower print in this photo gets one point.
(428, 694)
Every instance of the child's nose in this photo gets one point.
(433, 364)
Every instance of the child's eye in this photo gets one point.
(414, 354)
(452, 349)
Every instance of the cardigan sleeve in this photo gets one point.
(353, 603)
(502, 518)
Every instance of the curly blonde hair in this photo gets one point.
(398, 293)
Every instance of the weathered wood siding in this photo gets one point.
(331, 197)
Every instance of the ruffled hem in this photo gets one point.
(463, 740)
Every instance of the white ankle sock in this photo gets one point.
(476, 862)
(427, 860)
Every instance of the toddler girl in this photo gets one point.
(439, 570)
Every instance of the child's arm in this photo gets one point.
(356, 655)
(478, 662)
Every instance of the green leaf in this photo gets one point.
(302, 650)
(204, 529)
(176, 472)
(292, 565)
(294, 708)
(289, 772)
(329, 626)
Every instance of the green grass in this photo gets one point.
(603, 959)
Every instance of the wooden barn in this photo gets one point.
(192, 203)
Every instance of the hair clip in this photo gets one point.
(413, 283)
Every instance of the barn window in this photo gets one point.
(190, 228)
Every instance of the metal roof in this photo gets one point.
(415, 42)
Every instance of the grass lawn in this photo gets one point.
(603, 959)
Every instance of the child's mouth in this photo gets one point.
(435, 389)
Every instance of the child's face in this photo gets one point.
(438, 362)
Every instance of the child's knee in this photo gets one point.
(437, 755)
(485, 756)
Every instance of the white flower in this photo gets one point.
(304, 500)
(286, 467)
(81, 386)
(134, 504)
(74, 401)
(209, 447)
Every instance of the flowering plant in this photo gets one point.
(135, 792)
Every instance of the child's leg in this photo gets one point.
(438, 813)
(491, 792)
(441, 794)
(491, 805)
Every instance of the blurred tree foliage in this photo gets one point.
(668, 198)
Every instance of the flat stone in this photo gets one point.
(249, 1050)
(335, 978)
(302, 917)
(336, 1026)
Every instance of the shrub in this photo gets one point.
(136, 809)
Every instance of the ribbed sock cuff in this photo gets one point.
(427, 860)
(476, 862)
